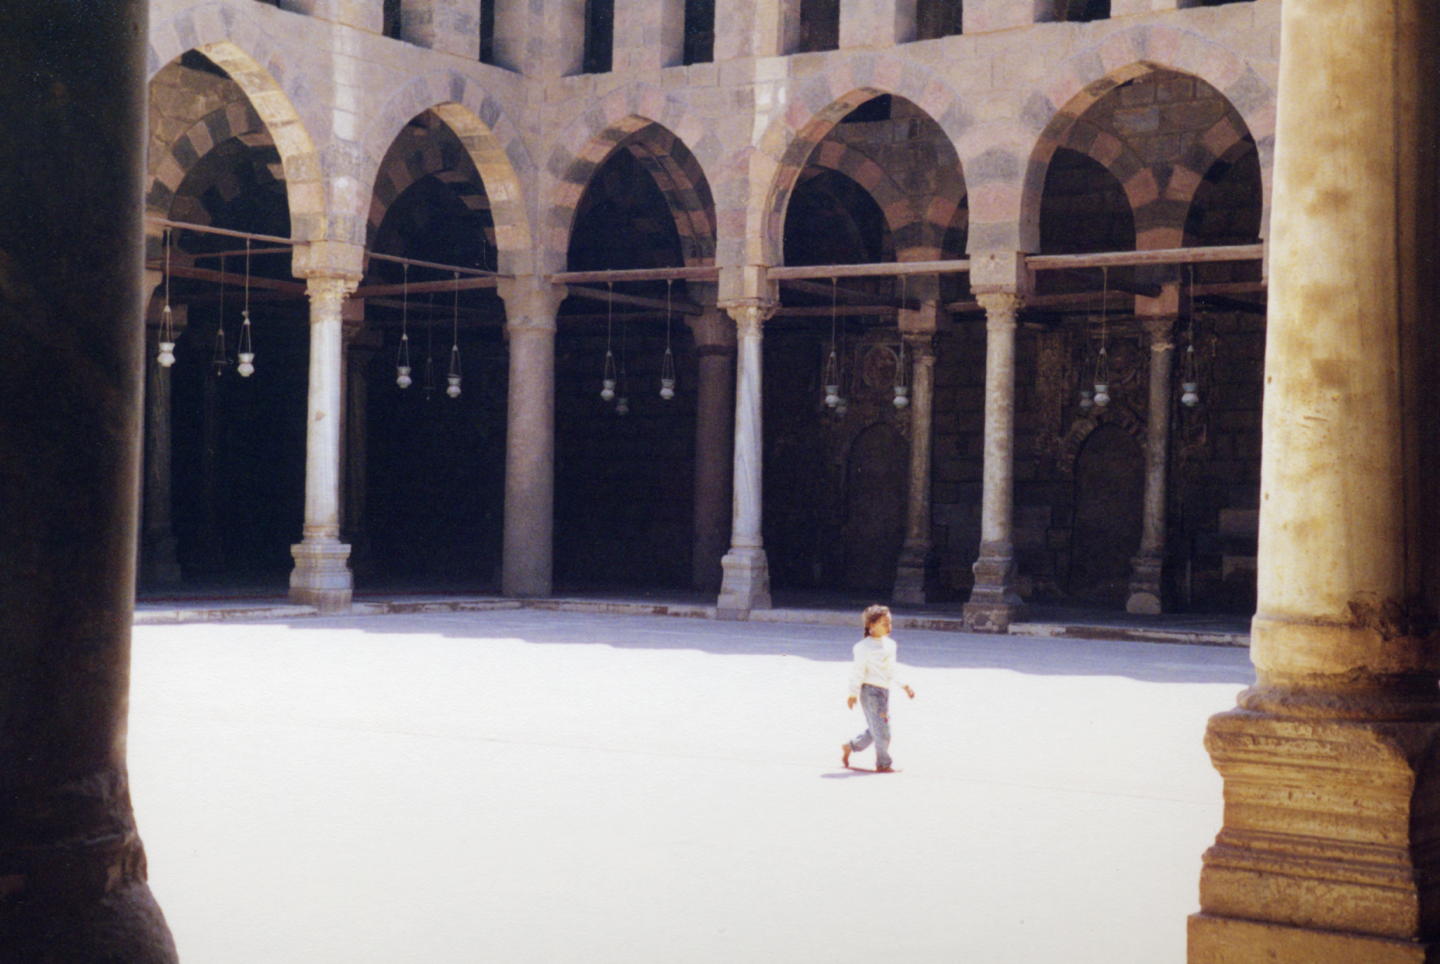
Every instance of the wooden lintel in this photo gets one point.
(883, 269)
(620, 298)
(424, 287)
(1112, 259)
(296, 288)
(694, 273)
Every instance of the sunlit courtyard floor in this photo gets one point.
(524, 786)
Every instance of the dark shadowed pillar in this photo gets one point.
(72, 869)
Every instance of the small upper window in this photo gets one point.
(599, 36)
(487, 31)
(699, 31)
(938, 18)
(1081, 10)
(391, 24)
(819, 25)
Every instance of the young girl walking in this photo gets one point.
(871, 678)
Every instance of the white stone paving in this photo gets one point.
(525, 786)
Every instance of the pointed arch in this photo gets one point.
(488, 136)
(817, 106)
(651, 126)
(1055, 118)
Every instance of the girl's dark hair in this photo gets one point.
(873, 614)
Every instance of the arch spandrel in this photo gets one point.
(492, 142)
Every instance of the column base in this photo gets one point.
(746, 584)
(1145, 596)
(321, 577)
(159, 565)
(1345, 871)
(1223, 940)
(993, 604)
(913, 575)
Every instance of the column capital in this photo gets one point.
(750, 316)
(1160, 331)
(531, 302)
(920, 322)
(713, 332)
(1001, 306)
(329, 291)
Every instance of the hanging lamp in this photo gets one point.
(1102, 360)
(219, 358)
(667, 363)
(245, 348)
(902, 385)
(832, 363)
(402, 356)
(166, 356)
(607, 377)
(1189, 378)
(452, 377)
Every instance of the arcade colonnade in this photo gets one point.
(334, 96)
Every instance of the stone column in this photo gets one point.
(714, 445)
(527, 562)
(912, 571)
(361, 344)
(993, 600)
(157, 539)
(1147, 565)
(1328, 847)
(321, 576)
(72, 867)
(746, 581)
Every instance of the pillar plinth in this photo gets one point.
(714, 335)
(745, 584)
(527, 561)
(321, 576)
(1147, 567)
(73, 874)
(993, 600)
(1331, 762)
(913, 569)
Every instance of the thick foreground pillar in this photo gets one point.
(528, 554)
(993, 600)
(1331, 763)
(746, 582)
(321, 576)
(72, 868)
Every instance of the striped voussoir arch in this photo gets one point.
(416, 154)
(820, 102)
(493, 144)
(653, 128)
(237, 120)
(1057, 116)
(228, 34)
